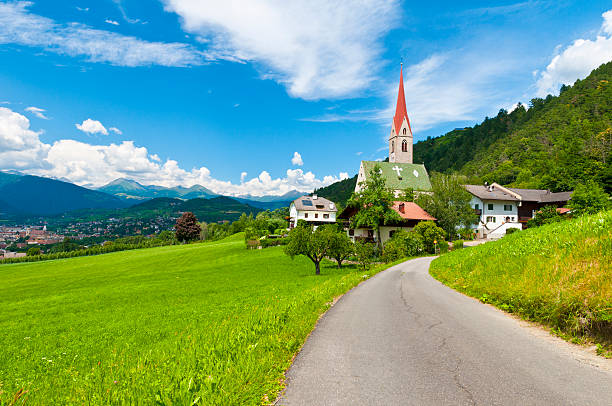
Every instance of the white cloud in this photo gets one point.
(87, 164)
(38, 112)
(90, 126)
(297, 159)
(85, 9)
(18, 26)
(316, 48)
(107, 21)
(115, 130)
(20, 147)
(577, 60)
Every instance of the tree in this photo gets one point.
(187, 227)
(546, 215)
(407, 195)
(314, 245)
(449, 204)
(364, 251)
(34, 251)
(430, 233)
(374, 204)
(589, 198)
(340, 245)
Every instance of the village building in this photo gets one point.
(400, 175)
(312, 209)
(500, 208)
(400, 172)
(410, 214)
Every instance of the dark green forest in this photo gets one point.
(556, 144)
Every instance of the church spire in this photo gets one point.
(400, 108)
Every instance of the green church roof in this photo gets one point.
(413, 176)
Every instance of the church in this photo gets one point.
(399, 173)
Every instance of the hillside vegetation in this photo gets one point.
(558, 274)
(339, 192)
(207, 323)
(557, 143)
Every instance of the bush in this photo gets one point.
(364, 251)
(466, 234)
(403, 244)
(273, 242)
(443, 246)
(34, 251)
(458, 244)
(414, 244)
(394, 249)
(430, 233)
(512, 230)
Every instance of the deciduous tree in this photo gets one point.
(187, 227)
(314, 245)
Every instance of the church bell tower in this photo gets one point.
(400, 140)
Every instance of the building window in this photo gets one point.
(404, 131)
(507, 207)
(316, 215)
(490, 206)
(326, 216)
(391, 233)
(305, 215)
(404, 146)
(392, 146)
(490, 219)
(476, 206)
(351, 232)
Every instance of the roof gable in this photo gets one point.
(311, 204)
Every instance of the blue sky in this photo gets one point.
(224, 94)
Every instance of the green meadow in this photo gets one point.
(207, 323)
(558, 274)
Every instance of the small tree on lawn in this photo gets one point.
(373, 202)
(340, 245)
(187, 227)
(314, 245)
(364, 251)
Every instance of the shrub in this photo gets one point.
(457, 244)
(466, 233)
(512, 230)
(364, 251)
(414, 244)
(430, 233)
(34, 251)
(443, 246)
(394, 249)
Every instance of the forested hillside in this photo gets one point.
(557, 143)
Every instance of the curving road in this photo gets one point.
(402, 338)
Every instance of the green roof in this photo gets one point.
(412, 175)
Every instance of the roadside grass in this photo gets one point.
(209, 323)
(559, 275)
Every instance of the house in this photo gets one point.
(399, 173)
(410, 213)
(500, 208)
(312, 209)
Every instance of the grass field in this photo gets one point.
(205, 323)
(559, 275)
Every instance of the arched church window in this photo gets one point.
(404, 146)
(392, 146)
(404, 131)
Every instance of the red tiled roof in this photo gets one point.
(411, 211)
(400, 108)
(563, 210)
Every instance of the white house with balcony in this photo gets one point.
(497, 210)
(312, 209)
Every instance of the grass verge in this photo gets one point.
(205, 323)
(559, 275)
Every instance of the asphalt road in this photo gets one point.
(402, 338)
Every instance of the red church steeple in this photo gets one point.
(400, 108)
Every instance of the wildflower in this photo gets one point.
(115, 382)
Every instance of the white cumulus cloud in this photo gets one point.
(38, 112)
(89, 164)
(90, 126)
(297, 159)
(112, 22)
(577, 60)
(19, 26)
(115, 130)
(316, 48)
